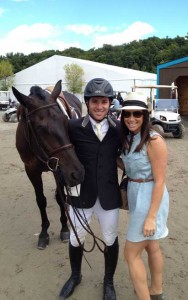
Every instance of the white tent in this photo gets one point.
(49, 71)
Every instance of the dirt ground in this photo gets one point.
(28, 273)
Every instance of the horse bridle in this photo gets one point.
(48, 157)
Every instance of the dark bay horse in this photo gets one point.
(43, 144)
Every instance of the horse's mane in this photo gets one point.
(37, 91)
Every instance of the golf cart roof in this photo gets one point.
(155, 86)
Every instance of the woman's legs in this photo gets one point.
(137, 271)
(155, 261)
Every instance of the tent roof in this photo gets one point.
(50, 70)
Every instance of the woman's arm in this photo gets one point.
(120, 164)
(157, 153)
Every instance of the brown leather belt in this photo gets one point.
(141, 180)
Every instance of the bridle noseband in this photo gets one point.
(48, 157)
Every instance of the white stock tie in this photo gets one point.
(99, 131)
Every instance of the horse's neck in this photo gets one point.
(69, 109)
(65, 104)
(61, 97)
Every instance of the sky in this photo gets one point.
(28, 26)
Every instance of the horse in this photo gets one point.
(43, 144)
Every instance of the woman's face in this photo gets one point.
(133, 120)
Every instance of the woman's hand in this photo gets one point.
(149, 226)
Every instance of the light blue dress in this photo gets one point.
(138, 166)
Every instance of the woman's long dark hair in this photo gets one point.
(145, 130)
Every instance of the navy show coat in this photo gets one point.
(99, 161)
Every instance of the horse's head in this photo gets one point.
(48, 132)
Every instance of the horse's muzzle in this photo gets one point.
(71, 178)
(77, 177)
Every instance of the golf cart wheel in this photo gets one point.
(159, 129)
(180, 132)
(13, 118)
(5, 117)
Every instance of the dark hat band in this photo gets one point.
(135, 103)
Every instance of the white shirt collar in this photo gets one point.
(104, 125)
(93, 122)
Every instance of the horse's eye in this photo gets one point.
(55, 117)
(40, 127)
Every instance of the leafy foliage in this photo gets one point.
(6, 74)
(143, 55)
(74, 78)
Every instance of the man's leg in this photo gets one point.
(75, 253)
(109, 223)
(111, 258)
(75, 256)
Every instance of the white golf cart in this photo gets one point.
(10, 115)
(4, 99)
(164, 112)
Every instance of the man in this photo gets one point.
(99, 193)
(120, 99)
(114, 108)
(115, 103)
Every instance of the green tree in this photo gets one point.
(6, 74)
(143, 55)
(74, 78)
(73, 52)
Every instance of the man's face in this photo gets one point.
(98, 107)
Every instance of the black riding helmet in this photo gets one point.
(98, 87)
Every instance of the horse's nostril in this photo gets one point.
(78, 176)
(75, 175)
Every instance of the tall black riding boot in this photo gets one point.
(75, 256)
(111, 258)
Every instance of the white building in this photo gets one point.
(49, 71)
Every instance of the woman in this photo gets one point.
(145, 160)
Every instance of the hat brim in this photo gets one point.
(131, 107)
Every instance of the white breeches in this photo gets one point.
(108, 221)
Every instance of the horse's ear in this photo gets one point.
(56, 91)
(22, 99)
